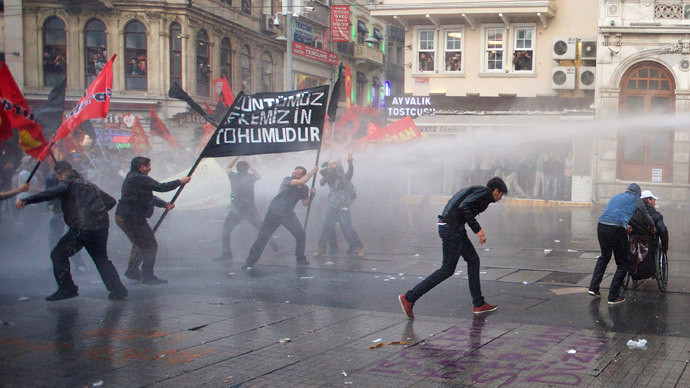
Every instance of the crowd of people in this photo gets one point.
(540, 175)
(137, 66)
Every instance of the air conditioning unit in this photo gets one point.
(564, 48)
(588, 49)
(563, 78)
(587, 77)
(267, 26)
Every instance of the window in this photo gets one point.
(523, 53)
(247, 6)
(494, 47)
(266, 72)
(136, 71)
(361, 88)
(362, 32)
(203, 68)
(95, 48)
(425, 61)
(54, 49)
(226, 60)
(453, 52)
(246, 70)
(175, 54)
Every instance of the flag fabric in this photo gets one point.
(94, 104)
(50, 113)
(208, 109)
(401, 131)
(335, 96)
(222, 88)
(266, 123)
(348, 87)
(178, 93)
(159, 129)
(346, 126)
(138, 141)
(16, 114)
(71, 143)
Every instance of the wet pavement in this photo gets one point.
(337, 321)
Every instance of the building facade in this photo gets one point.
(642, 69)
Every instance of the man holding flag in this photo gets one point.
(281, 211)
(136, 205)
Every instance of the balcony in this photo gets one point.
(365, 53)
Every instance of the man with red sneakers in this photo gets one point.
(462, 209)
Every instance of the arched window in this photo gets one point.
(95, 49)
(203, 69)
(246, 69)
(54, 52)
(226, 60)
(175, 54)
(266, 72)
(136, 69)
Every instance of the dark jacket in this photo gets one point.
(661, 229)
(84, 205)
(465, 205)
(137, 198)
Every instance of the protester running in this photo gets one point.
(85, 208)
(135, 206)
(462, 209)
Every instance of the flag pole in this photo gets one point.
(194, 166)
(313, 183)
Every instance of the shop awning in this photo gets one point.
(377, 34)
(361, 27)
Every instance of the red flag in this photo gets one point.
(400, 131)
(348, 87)
(208, 132)
(71, 143)
(208, 109)
(159, 129)
(346, 126)
(138, 142)
(16, 114)
(223, 91)
(94, 104)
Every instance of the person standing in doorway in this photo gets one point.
(462, 209)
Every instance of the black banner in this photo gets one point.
(267, 123)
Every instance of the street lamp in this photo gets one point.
(287, 84)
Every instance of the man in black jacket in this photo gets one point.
(136, 205)
(85, 208)
(465, 205)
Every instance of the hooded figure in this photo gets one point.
(612, 232)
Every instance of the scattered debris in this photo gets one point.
(482, 272)
(23, 298)
(556, 240)
(525, 283)
(328, 263)
(571, 351)
(285, 340)
(572, 250)
(416, 255)
(547, 251)
(97, 383)
(381, 344)
(231, 273)
(639, 344)
(560, 220)
(487, 249)
(307, 277)
(377, 340)
(348, 382)
(373, 269)
(197, 327)
(401, 274)
(342, 372)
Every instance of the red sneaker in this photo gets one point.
(406, 306)
(485, 308)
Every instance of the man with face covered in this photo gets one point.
(612, 232)
(339, 202)
(281, 211)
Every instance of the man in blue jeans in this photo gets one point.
(612, 232)
(460, 210)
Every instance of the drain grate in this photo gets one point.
(563, 277)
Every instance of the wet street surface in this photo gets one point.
(337, 321)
